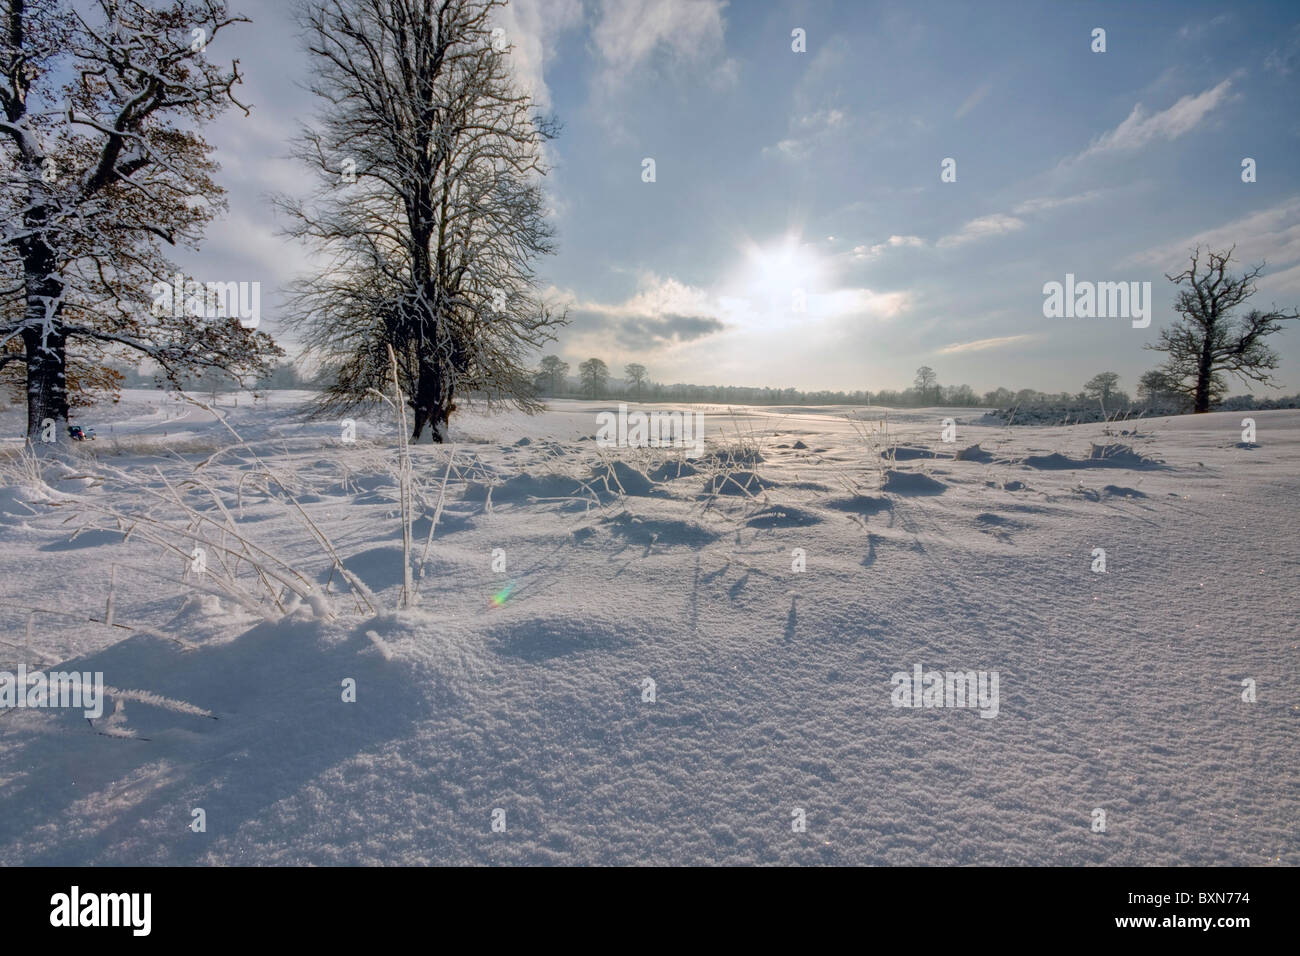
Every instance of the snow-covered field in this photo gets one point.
(521, 697)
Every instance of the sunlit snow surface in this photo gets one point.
(523, 689)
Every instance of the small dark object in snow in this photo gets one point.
(79, 434)
(974, 453)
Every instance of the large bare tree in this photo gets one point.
(101, 165)
(429, 213)
(1208, 340)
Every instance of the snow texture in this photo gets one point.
(561, 578)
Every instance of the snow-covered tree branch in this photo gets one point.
(101, 166)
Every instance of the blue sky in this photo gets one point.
(798, 234)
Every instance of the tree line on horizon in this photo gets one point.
(1155, 390)
(552, 380)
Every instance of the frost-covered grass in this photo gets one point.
(553, 578)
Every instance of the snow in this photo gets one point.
(525, 689)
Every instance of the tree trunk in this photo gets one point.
(1204, 374)
(45, 345)
(440, 422)
(431, 406)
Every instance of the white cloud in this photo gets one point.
(628, 32)
(1047, 203)
(823, 119)
(856, 302)
(806, 132)
(531, 29)
(812, 120)
(893, 242)
(1141, 128)
(655, 297)
(1269, 236)
(658, 296)
(791, 149)
(984, 227)
(665, 316)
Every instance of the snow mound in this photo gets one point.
(621, 478)
(231, 727)
(544, 638)
(912, 483)
(670, 470)
(1120, 456)
(670, 532)
(1100, 456)
(974, 453)
(997, 524)
(376, 568)
(449, 522)
(19, 502)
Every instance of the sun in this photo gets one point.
(780, 277)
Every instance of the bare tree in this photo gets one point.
(100, 165)
(1207, 341)
(552, 373)
(430, 212)
(926, 382)
(594, 373)
(1155, 388)
(1104, 388)
(636, 373)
